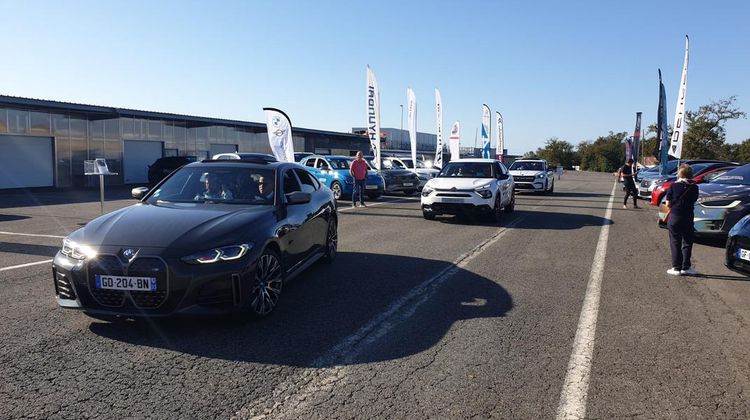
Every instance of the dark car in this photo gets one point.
(301, 155)
(165, 166)
(738, 247)
(214, 237)
(722, 202)
(397, 180)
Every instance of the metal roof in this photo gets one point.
(110, 112)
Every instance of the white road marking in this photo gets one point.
(576, 386)
(32, 234)
(25, 265)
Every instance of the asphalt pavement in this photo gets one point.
(452, 318)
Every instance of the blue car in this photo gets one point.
(333, 172)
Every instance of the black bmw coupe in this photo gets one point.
(214, 237)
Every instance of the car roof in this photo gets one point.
(473, 160)
(259, 164)
(529, 160)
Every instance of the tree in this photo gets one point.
(558, 152)
(705, 136)
(605, 154)
(530, 155)
(741, 152)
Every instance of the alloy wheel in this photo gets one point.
(267, 284)
(336, 188)
(332, 240)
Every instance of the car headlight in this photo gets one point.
(484, 192)
(540, 176)
(427, 190)
(77, 251)
(724, 204)
(225, 253)
(660, 181)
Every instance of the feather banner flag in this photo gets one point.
(279, 134)
(455, 141)
(373, 116)
(439, 132)
(675, 146)
(412, 124)
(485, 132)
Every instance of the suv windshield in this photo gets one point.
(410, 165)
(467, 170)
(526, 166)
(739, 176)
(234, 185)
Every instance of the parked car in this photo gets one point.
(301, 155)
(737, 257)
(265, 157)
(533, 175)
(651, 180)
(333, 172)
(182, 251)
(423, 171)
(702, 172)
(165, 166)
(479, 186)
(397, 180)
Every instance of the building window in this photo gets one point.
(18, 121)
(40, 123)
(3, 120)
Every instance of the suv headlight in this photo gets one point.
(724, 204)
(484, 192)
(77, 251)
(427, 190)
(540, 176)
(660, 181)
(225, 253)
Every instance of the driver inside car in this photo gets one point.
(214, 189)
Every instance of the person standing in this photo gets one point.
(681, 198)
(627, 173)
(358, 170)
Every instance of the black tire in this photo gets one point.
(337, 191)
(266, 283)
(332, 240)
(409, 193)
(428, 215)
(512, 205)
(497, 212)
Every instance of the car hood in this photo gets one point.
(526, 173)
(428, 171)
(187, 226)
(715, 191)
(448, 183)
(397, 172)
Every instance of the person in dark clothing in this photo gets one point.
(681, 198)
(627, 173)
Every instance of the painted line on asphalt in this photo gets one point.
(576, 386)
(36, 235)
(25, 265)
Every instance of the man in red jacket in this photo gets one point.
(358, 170)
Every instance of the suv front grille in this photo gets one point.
(141, 267)
(520, 178)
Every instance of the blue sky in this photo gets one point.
(574, 70)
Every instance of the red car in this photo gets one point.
(704, 174)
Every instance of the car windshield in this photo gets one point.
(217, 184)
(409, 163)
(467, 170)
(526, 166)
(739, 176)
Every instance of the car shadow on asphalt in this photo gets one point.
(29, 249)
(720, 242)
(577, 194)
(44, 197)
(720, 277)
(329, 305)
(547, 220)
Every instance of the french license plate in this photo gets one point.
(453, 200)
(408, 184)
(371, 187)
(146, 284)
(743, 254)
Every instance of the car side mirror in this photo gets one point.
(298, 197)
(139, 192)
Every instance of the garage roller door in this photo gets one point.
(137, 156)
(26, 162)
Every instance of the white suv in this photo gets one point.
(533, 175)
(481, 186)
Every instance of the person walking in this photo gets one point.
(628, 183)
(681, 198)
(358, 170)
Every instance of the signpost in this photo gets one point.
(98, 167)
